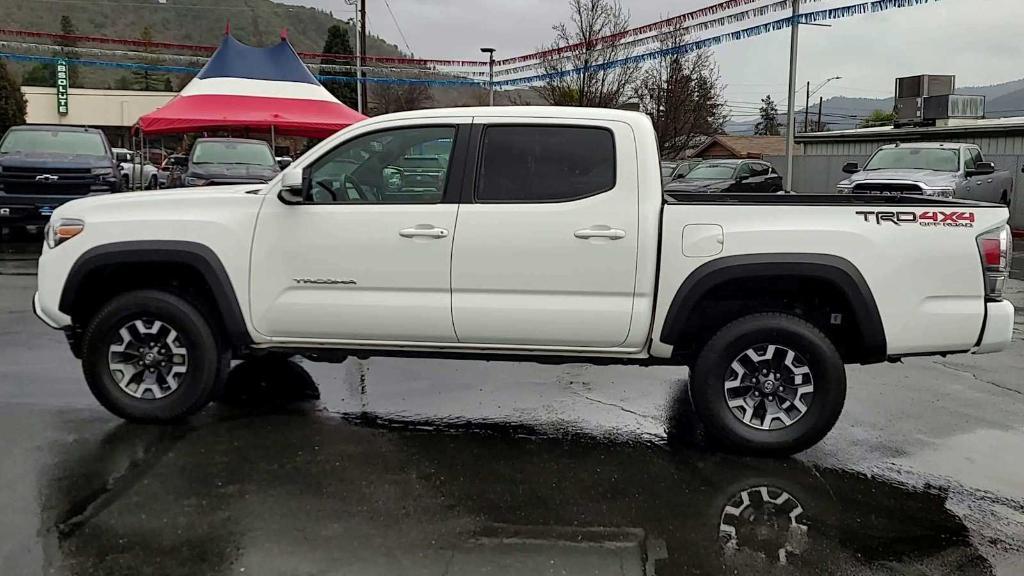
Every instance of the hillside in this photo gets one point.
(257, 22)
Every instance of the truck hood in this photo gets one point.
(175, 199)
(231, 171)
(685, 185)
(927, 177)
(43, 160)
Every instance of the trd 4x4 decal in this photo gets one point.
(954, 219)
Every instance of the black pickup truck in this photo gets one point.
(42, 167)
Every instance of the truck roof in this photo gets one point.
(55, 128)
(224, 139)
(568, 112)
(927, 145)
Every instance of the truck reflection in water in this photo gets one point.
(300, 490)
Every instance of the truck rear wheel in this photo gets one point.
(768, 384)
(150, 356)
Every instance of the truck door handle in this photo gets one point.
(600, 232)
(423, 231)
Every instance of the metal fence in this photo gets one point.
(821, 173)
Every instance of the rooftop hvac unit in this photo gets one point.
(925, 85)
(954, 106)
(909, 110)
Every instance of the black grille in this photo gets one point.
(886, 188)
(36, 171)
(47, 181)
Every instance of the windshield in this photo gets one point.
(711, 172)
(939, 159)
(255, 153)
(53, 142)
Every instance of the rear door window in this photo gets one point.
(531, 164)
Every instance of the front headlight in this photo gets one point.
(102, 171)
(60, 231)
(843, 189)
(190, 181)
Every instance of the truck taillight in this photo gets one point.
(994, 247)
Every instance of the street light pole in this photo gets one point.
(790, 119)
(490, 72)
(359, 59)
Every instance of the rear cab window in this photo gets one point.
(545, 163)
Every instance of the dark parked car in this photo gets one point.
(737, 176)
(230, 161)
(42, 167)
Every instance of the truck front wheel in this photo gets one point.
(769, 384)
(150, 356)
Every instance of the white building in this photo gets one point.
(114, 111)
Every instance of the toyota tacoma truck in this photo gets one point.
(551, 241)
(940, 169)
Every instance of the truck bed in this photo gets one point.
(821, 200)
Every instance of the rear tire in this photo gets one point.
(150, 356)
(768, 384)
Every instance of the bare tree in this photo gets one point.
(388, 98)
(581, 75)
(683, 95)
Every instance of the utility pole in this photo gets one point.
(807, 109)
(490, 72)
(790, 119)
(362, 48)
(821, 102)
(359, 59)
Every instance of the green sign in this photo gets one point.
(62, 87)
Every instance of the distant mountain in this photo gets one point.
(844, 113)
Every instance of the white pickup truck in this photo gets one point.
(546, 238)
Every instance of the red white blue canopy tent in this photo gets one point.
(261, 89)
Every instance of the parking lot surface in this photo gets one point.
(420, 466)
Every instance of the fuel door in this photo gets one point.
(703, 240)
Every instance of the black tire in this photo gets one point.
(713, 367)
(207, 361)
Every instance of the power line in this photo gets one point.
(400, 33)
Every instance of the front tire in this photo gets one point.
(150, 356)
(768, 384)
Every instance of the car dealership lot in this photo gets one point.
(409, 466)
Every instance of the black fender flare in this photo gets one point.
(833, 269)
(193, 254)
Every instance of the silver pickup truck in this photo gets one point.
(941, 169)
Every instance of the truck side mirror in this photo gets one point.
(981, 169)
(294, 185)
(851, 168)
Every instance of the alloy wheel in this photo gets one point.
(769, 387)
(149, 361)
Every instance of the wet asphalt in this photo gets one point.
(437, 467)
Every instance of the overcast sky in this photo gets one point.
(980, 41)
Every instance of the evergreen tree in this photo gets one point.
(12, 101)
(337, 42)
(768, 125)
(67, 49)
